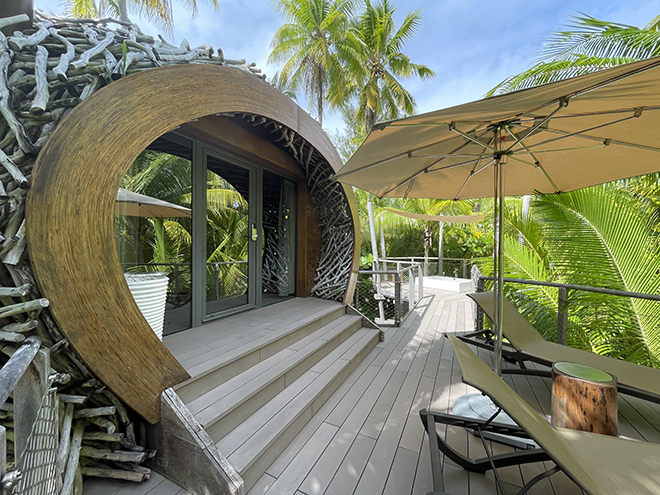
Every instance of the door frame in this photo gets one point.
(255, 205)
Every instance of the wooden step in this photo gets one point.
(238, 353)
(254, 444)
(223, 408)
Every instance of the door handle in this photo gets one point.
(253, 231)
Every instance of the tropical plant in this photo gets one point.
(157, 11)
(601, 236)
(587, 45)
(375, 80)
(313, 43)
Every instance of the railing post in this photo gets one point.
(3, 453)
(465, 268)
(562, 315)
(411, 289)
(397, 299)
(481, 287)
(421, 284)
(177, 282)
(216, 281)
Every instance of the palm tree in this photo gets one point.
(157, 11)
(312, 44)
(375, 80)
(588, 45)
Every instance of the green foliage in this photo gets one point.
(348, 57)
(169, 241)
(157, 11)
(408, 237)
(602, 236)
(587, 45)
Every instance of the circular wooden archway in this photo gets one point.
(70, 211)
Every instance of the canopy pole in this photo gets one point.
(498, 250)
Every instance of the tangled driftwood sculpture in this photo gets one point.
(45, 71)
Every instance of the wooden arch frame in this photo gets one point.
(70, 211)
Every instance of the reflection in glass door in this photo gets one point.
(153, 223)
(231, 236)
(278, 274)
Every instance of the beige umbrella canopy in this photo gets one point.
(133, 204)
(555, 138)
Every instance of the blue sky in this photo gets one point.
(471, 45)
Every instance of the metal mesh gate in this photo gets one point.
(38, 464)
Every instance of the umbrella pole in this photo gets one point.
(499, 289)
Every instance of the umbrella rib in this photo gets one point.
(606, 141)
(604, 112)
(472, 174)
(602, 145)
(402, 155)
(474, 140)
(428, 169)
(637, 113)
(521, 144)
(448, 156)
(562, 104)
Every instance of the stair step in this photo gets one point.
(253, 445)
(220, 364)
(223, 408)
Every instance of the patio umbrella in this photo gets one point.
(133, 204)
(553, 138)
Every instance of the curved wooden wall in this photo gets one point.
(70, 211)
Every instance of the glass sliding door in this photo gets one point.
(221, 229)
(229, 194)
(278, 274)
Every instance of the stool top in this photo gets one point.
(582, 372)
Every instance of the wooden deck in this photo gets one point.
(368, 439)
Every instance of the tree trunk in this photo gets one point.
(123, 10)
(319, 96)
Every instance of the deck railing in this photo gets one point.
(35, 434)
(224, 278)
(445, 267)
(564, 302)
(388, 296)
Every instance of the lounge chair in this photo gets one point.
(527, 344)
(599, 464)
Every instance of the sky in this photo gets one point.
(471, 45)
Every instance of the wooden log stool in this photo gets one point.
(584, 398)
